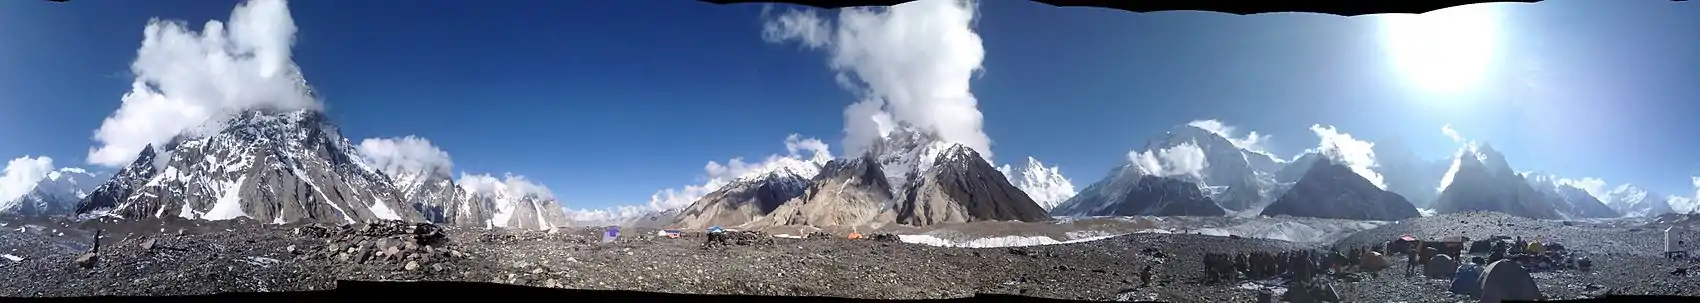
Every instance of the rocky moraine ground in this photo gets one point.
(47, 258)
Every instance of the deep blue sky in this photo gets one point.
(607, 101)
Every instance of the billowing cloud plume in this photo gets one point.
(185, 79)
(910, 64)
(1357, 154)
(799, 151)
(21, 176)
(509, 185)
(1681, 204)
(1688, 204)
(1252, 140)
(407, 156)
(1184, 159)
(1451, 133)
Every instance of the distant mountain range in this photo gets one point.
(282, 166)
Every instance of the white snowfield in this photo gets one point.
(1004, 241)
(1284, 229)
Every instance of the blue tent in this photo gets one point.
(1464, 281)
(715, 229)
(612, 233)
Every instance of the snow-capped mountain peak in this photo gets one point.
(271, 165)
(1634, 201)
(906, 152)
(57, 193)
(1046, 185)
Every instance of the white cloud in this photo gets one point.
(910, 63)
(185, 79)
(1451, 133)
(1184, 159)
(21, 176)
(818, 151)
(1594, 186)
(407, 156)
(510, 185)
(799, 151)
(1252, 141)
(1357, 154)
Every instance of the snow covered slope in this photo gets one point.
(268, 165)
(751, 196)
(1228, 176)
(1046, 185)
(56, 194)
(1633, 201)
(1571, 201)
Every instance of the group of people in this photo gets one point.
(1301, 265)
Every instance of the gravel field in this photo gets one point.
(153, 258)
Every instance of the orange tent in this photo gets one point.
(855, 235)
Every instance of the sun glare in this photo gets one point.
(1446, 51)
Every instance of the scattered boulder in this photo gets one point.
(740, 238)
(885, 238)
(314, 231)
(1507, 281)
(1440, 267)
(148, 244)
(409, 245)
(87, 261)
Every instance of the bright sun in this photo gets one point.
(1446, 51)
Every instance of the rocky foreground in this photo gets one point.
(177, 258)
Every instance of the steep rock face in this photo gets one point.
(532, 212)
(57, 194)
(741, 202)
(1481, 180)
(1113, 189)
(124, 182)
(847, 192)
(961, 187)
(272, 166)
(1331, 190)
(439, 200)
